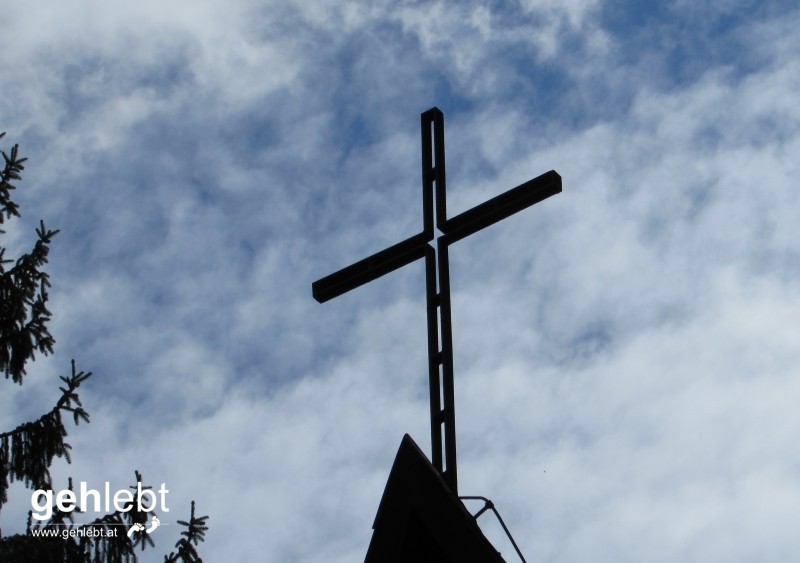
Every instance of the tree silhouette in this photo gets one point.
(27, 452)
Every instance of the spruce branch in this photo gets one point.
(27, 452)
(195, 532)
(137, 516)
(12, 171)
(23, 288)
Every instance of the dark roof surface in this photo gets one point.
(420, 520)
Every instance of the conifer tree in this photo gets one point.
(28, 451)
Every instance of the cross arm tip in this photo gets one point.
(498, 208)
(370, 268)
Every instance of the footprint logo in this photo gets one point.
(155, 523)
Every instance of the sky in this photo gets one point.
(626, 352)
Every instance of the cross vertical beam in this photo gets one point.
(440, 361)
(441, 378)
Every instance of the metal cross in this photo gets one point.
(440, 361)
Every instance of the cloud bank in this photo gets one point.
(625, 353)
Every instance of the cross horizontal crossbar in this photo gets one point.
(460, 226)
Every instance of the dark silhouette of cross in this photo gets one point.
(440, 361)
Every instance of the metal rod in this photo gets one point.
(490, 506)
